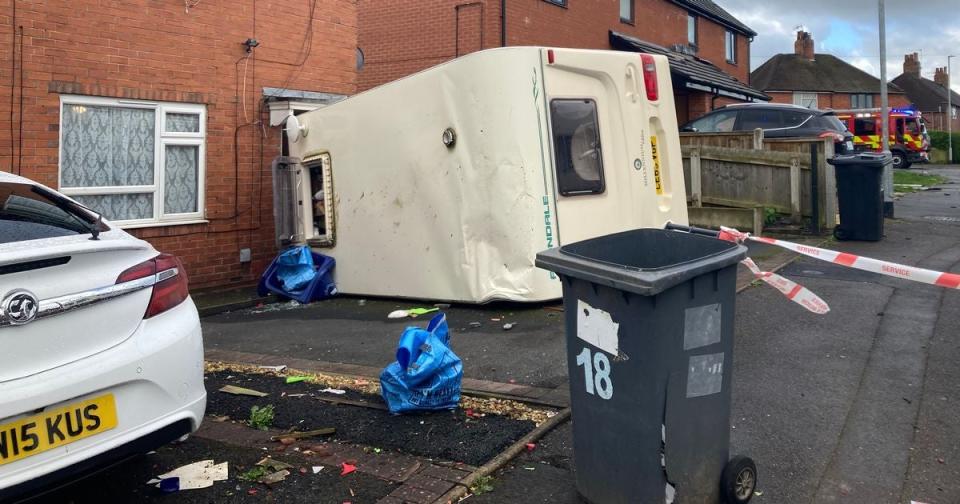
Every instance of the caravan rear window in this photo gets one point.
(576, 143)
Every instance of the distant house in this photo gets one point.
(820, 81)
(929, 96)
(709, 49)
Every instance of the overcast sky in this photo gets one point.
(848, 30)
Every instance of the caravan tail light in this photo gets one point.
(650, 76)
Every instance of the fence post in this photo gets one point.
(795, 207)
(695, 178)
(758, 139)
(829, 186)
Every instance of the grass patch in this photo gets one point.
(906, 178)
(253, 474)
(261, 418)
(482, 485)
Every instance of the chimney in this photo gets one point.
(940, 76)
(911, 64)
(804, 45)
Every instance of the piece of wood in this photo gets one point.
(306, 434)
(233, 389)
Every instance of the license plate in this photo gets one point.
(849, 146)
(56, 427)
(656, 165)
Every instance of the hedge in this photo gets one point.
(938, 139)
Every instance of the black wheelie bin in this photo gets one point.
(860, 195)
(649, 323)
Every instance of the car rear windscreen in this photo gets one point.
(833, 123)
(28, 212)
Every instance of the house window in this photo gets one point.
(808, 100)
(731, 43)
(861, 100)
(626, 11)
(561, 3)
(576, 141)
(691, 29)
(136, 162)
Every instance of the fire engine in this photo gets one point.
(909, 141)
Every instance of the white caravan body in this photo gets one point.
(445, 184)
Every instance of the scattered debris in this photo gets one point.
(361, 382)
(306, 434)
(362, 302)
(940, 460)
(414, 312)
(232, 389)
(757, 493)
(219, 418)
(296, 379)
(442, 306)
(398, 314)
(261, 417)
(494, 320)
(191, 476)
(274, 464)
(317, 469)
(329, 390)
(475, 324)
(531, 446)
(347, 469)
(508, 326)
(321, 450)
(287, 441)
(274, 478)
(275, 369)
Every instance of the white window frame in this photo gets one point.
(161, 140)
(800, 97)
(730, 43)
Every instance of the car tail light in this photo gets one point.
(170, 288)
(650, 76)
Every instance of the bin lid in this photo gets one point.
(864, 159)
(642, 261)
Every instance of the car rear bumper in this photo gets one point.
(155, 376)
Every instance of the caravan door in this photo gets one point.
(616, 152)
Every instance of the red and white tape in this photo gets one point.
(792, 290)
(948, 280)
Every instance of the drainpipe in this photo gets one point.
(503, 23)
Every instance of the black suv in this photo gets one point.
(776, 121)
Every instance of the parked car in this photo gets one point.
(102, 355)
(777, 121)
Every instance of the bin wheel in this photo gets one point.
(739, 480)
(840, 234)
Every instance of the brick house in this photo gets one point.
(709, 48)
(820, 81)
(157, 113)
(929, 96)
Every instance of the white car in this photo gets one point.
(101, 354)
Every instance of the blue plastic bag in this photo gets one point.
(427, 374)
(295, 268)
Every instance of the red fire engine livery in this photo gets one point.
(909, 141)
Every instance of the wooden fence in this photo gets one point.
(746, 171)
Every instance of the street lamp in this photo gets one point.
(949, 115)
(885, 116)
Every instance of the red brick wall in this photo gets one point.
(842, 100)
(155, 50)
(400, 37)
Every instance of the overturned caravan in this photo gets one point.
(445, 184)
